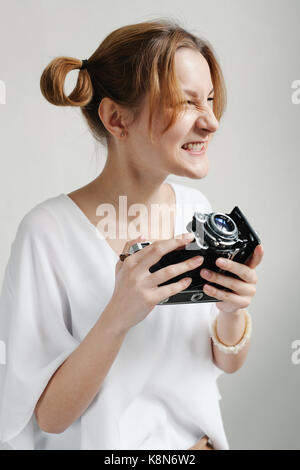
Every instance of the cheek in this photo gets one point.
(176, 134)
(181, 130)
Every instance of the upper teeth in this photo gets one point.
(197, 146)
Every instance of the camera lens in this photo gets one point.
(222, 224)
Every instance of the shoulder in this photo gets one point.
(37, 242)
(40, 222)
(194, 196)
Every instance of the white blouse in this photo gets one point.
(161, 390)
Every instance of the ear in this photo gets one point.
(112, 116)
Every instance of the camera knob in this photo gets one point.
(197, 297)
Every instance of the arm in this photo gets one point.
(231, 318)
(75, 383)
(230, 329)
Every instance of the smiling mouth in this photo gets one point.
(194, 148)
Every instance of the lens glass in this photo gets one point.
(224, 224)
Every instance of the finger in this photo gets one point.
(241, 270)
(234, 299)
(129, 243)
(174, 270)
(200, 444)
(237, 286)
(164, 292)
(151, 254)
(126, 247)
(256, 257)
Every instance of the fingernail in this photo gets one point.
(222, 262)
(205, 272)
(198, 259)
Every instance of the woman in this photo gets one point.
(93, 361)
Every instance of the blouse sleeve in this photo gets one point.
(35, 323)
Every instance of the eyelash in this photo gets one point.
(208, 99)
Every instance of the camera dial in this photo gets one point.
(215, 229)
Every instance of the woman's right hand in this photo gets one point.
(136, 292)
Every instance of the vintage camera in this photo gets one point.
(216, 235)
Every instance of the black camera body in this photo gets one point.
(216, 235)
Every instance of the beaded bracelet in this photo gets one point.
(237, 347)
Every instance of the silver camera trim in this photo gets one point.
(205, 224)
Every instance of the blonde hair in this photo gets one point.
(131, 61)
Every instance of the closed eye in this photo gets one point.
(192, 102)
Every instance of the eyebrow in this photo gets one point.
(194, 93)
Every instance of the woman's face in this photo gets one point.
(195, 124)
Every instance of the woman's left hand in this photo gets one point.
(243, 289)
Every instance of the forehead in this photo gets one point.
(193, 71)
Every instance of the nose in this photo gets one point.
(208, 121)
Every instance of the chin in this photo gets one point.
(197, 175)
(197, 169)
(193, 173)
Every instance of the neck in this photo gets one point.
(125, 179)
